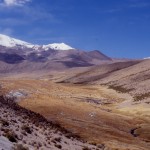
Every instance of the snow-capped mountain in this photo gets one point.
(7, 41)
(10, 42)
(22, 56)
(57, 46)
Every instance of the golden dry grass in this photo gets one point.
(65, 103)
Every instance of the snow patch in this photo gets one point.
(7, 41)
(11, 42)
(57, 46)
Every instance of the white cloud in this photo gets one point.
(15, 2)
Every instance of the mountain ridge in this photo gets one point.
(8, 41)
(17, 55)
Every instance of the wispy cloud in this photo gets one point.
(25, 15)
(14, 2)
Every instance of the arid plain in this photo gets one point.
(101, 112)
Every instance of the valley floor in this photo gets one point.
(21, 129)
(96, 113)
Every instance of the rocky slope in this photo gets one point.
(29, 130)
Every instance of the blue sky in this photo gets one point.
(118, 28)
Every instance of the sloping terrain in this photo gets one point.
(127, 77)
(50, 60)
(91, 111)
(29, 130)
(99, 72)
(48, 90)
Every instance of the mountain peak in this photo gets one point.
(11, 42)
(57, 46)
(7, 41)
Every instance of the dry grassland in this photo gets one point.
(96, 113)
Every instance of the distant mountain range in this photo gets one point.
(21, 56)
(10, 42)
